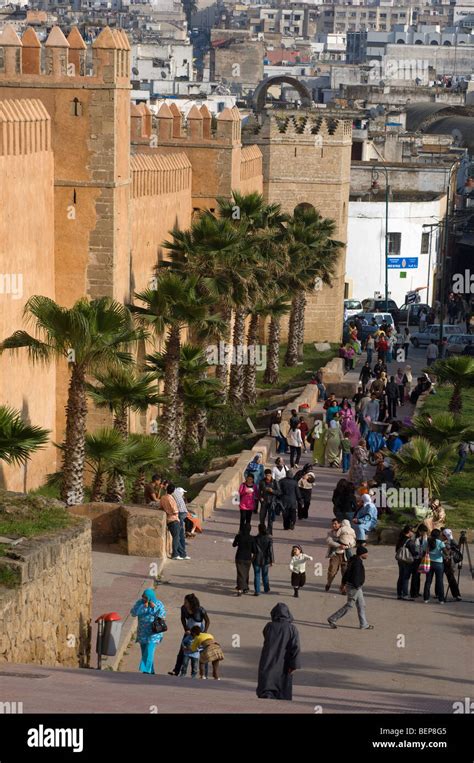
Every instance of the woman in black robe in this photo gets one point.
(280, 656)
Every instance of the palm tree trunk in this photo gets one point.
(250, 370)
(301, 316)
(180, 430)
(116, 483)
(138, 487)
(455, 404)
(72, 488)
(96, 488)
(222, 368)
(291, 356)
(168, 421)
(236, 387)
(202, 427)
(192, 433)
(121, 421)
(272, 371)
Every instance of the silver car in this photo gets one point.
(423, 338)
(457, 343)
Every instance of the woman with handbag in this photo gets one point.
(151, 613)
(405, 553)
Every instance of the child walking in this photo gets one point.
(209, 651)
(189, 657)
(298, 568)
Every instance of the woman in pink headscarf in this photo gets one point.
(348, 423)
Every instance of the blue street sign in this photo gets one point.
(402, 263)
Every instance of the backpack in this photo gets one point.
(456, 554)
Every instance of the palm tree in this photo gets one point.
(217, 252)
(176, 304)
(420, 465)
(456, 371)
(264, 230)
(18, 440)
(193, 379)
(105, 449)
(444, 428)
(313, 255)
(92, 336)
(122, 390)
(276, 309)
(199, 397)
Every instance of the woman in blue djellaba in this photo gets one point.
(147, 609)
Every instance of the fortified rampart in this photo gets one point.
(307, 160)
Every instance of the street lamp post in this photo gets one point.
(375, 186)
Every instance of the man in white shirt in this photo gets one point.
(432, 353)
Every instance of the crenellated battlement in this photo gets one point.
(156, 175)
(25, 127)
(304, 123)
(64, 60)
(173, 128)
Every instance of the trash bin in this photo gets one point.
(108, 635)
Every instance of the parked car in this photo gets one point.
(423, 338)
(468, 350)
(370, 322)
(415, 310)
(458, 342)
(371, 305)
(352, 307)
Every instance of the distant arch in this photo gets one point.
(260, 93)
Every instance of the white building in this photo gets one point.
(412, 248)
(160, 63)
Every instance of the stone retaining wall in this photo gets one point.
(46, 619)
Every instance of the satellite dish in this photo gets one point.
(373, 113)
(457, 135)
(163, 75)
(135, 71)
(380, 110)
(350, 103)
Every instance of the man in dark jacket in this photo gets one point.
(391, 390)
(280, 656)
(365, 374)
(352, 582)
(262, 558)
(268, 492)
(290, 497)
(243, 558)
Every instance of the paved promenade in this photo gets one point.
(346, 670)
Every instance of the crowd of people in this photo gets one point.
(425, 553)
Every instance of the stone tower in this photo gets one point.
(307, 160)
(86, 94)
